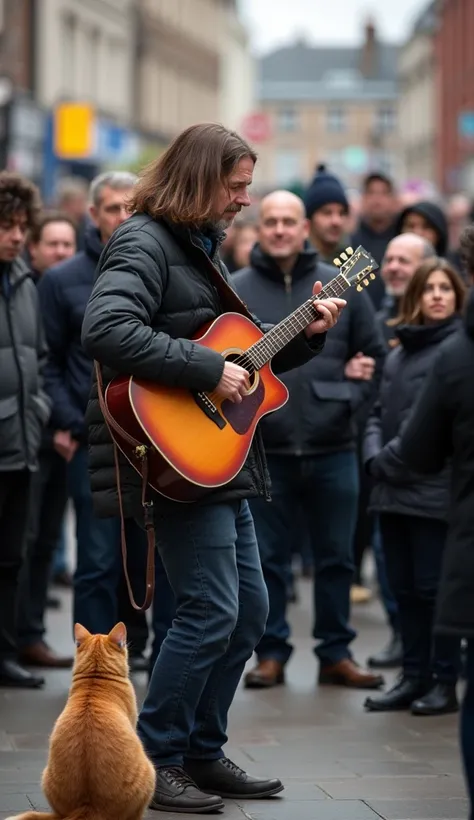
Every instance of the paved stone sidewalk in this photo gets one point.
(337, 762)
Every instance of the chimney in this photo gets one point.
(368, 62)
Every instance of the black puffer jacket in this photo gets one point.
(320, 414)
(441, 427)
(153, 293)
(398, 489)
(24, 406)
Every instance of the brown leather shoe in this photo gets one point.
(348, 673)
(40, 654)
(266, 674)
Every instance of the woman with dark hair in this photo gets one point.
(441, 428)
(413, 509)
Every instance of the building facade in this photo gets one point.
(85, 51)
(418, 99)
(333, 105)
(455, 89)
(177, 65)
(237, 69)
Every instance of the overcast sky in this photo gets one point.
(273, 22)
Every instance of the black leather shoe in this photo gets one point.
(138, 663)
(390, 656)
(440, 700)
(12, 674)
(228, 780)
(399, 697)
(175, 791)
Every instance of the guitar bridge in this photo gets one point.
(209, 408)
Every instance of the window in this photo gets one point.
(287, 119)
(287, 167)
(336, 122)
(385, 119)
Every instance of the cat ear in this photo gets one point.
(118, 635)
(80, 634)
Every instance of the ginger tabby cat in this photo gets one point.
(97, 768)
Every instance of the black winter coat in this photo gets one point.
(320, 414)
(64, 291)
(153, 293)
(399, 489)
(441, 428)
(24, 406)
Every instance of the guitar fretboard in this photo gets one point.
(285, 331)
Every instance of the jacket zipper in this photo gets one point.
(288, 280)
(9, 301)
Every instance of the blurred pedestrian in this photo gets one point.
(327, 208)
(378, 209)
(403, 256)
(428, 220)
(24, 407)
(413, 509)
(441, 431)
(51, 241)
(72, 199)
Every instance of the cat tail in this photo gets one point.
(79, 814)
(34, 815)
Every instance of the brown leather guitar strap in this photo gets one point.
(146, 504)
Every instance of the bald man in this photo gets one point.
(403, 256)
(310, 447)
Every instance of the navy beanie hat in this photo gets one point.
(324, 190)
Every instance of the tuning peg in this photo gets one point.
(359, 288)
(372, 275)
(343, 257)
(349, 251)
(337, 262)
(366, 282)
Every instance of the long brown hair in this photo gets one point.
(182, 184)
(410, 309)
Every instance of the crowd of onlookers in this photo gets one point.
(335, 452)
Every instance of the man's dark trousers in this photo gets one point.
(327, 488)
(47, 507)
(14, 509)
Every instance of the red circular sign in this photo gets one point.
(257, 127)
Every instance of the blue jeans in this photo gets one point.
(99, 562)
(60, 564)
(211, 558)
(467, 726)
(326, 486)
(414, 549)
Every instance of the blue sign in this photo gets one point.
(466, 124)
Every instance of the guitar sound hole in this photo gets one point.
(232, 357)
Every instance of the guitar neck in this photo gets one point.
(285, 331)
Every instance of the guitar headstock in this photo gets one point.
(357, 267)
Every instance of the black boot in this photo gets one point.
(390, 656)
(13, 675)
(440, 700)
(175, 791)
(228, 780)
(400, 697)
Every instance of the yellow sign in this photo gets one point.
(74, 130)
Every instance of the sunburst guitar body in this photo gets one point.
(195, 442)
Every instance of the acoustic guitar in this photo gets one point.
(194, 442)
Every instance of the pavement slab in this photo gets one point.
(337, 762)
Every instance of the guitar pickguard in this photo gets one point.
(241, 416)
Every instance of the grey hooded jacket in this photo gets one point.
(24, 407)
